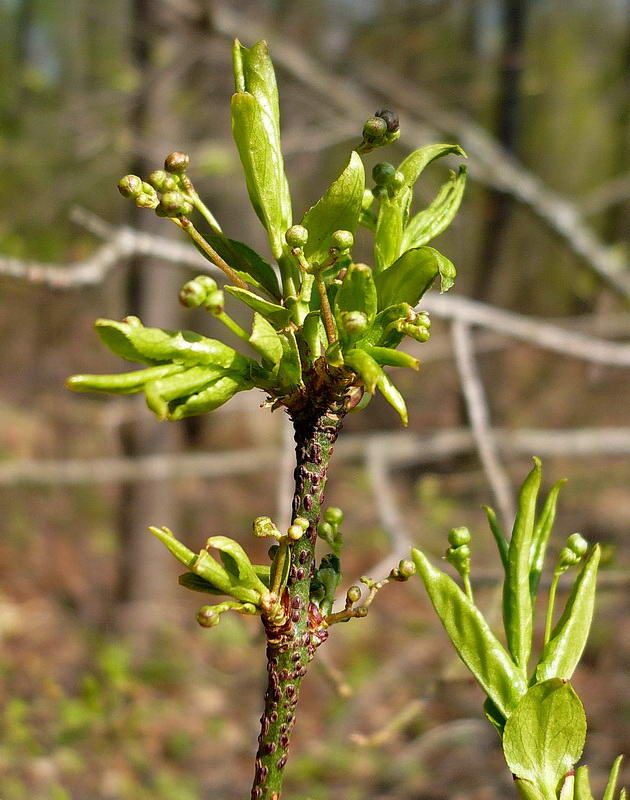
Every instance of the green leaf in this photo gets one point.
(279, 316)
(117, 337)
(325, 582)
(247, 264)
(259, 150)
(265, 340)
(290, 368)
(196, 583)
(237, 563)
(389, 391)
(544, 737)
(356, 293)
(415, 162)
(383, 332)
(388, 357)
(499, 538)
(517, 603)
(213, 396)
(611, 785)
(477, 646)
(160, 392)
(412, 275)
(124, 383)
(314, 334)
(388, 235)
(542, 531)
(366, 368)
(432, 221)
(494, 716)
(568, 639)
(338, 209)
(582, 784)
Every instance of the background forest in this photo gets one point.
(108, 689)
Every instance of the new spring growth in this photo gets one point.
(458, 554)
(389, 181)
(328, 529)
(381, 129)
(574, 550)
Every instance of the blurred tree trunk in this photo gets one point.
(162, 42)
(496, 206)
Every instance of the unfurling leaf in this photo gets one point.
(247, 264)
(265, 340)
(279, 316)
(412, 275)
(542, 531)
(544, 737)
(432, 221)
(415, 162)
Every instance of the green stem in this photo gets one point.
(467, 587)
(232, 325)
(291, 647)
(552, 600)
(212, 255)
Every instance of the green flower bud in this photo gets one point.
(406, 568)
(383, 173)
(333, 515)
(176, 162)
(374, 129)
(379, 192)
(302, 522)
(325, 531)
(354, 322)
(362, 612)
(577, 543)
(148, 189)
(459, 557)
(144, 200)
(295, 532)
(130, 186)
(172, 203)
(567, 558)
(342, 240)
(195, 292)
(353, 595)
(367, 200)
(163, 181)
(296, 236)
(458, 537)
(207, 617)
(215, 302)
(396, 182)
(390, 118)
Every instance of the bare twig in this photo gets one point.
(479, 416)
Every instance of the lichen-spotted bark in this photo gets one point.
(291, 647)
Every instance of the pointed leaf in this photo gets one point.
(290, 367)
(582, 784)
(517, 603)
(477, 646)
(611, 785)
(161, 391)
(389, 391)
(544, 737)
(265, 340)
(542, 531)
(124, 383)
(388, 235)
(338, 209)
(568, 639)
(388, 357)
(117, 337)
(196, 583)
(432, 221)
(499, 538)
(247, 264)
(366, 368)
(213, 396)
(415, 162)
(412, 275)
(279, 316)
(237, 562)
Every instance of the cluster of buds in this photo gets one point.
(328, 529)
(572, 553)
(381, 129)
(167, 190)
(202, 291)
(458, 554)
(297, 238)
(389, 181)
(416, 324)
(265, 527)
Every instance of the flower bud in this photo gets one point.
(406, 568)
(458, 537)
(207, 617)
(163, 181)
(379, 192)
(577, 543)
(383, 173)
(396, 182)
(567, 558)
(130, 186)
(362, 611)
(214, 302)
(296, 236)
(390, 118)
(325, 531)
(333, 515)
(264, 526)
(194, 292)
(144, 200)
(295, 532)
(374, 129)
(354, 322)
(302, 522)
(342, 240)
(148, 189)
(353, 595)
(176, 162)
(172, 202)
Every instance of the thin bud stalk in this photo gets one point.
(186, 225)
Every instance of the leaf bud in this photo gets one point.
(354, 322)
(406, 568)
(374, 130)
(353, 595)
(302, 522)
(296, 236)
(207, 617)
(333, 515)
(264, 526)
(390, 118)
(342, 240)
(176, 162)
(458, 537)
(383, 173)
(130, 186)
(578, 544)
(295, 532)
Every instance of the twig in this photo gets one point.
(284, 480)
(479, 416)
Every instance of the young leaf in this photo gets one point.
(388, 357)
(499, 538)
(338, 209)
(544, 736)
(366, 368)
(314, 334)
(265, 340)
(389, 391)
(124, 383)
(432, 221)
(290, 368)
(415, 162)
(388, 235)
(160, 392)
(357, 293)
(542, 531)
(247, 264)
(568, 639)
(279, 316)
(517, 603)
(582, 784)
(117, 337)
(611, 785)
(477, 646)
(383, 332)
(494, 716)
(213, 396)
(197, 584)
(412, 275)
(236, 562)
